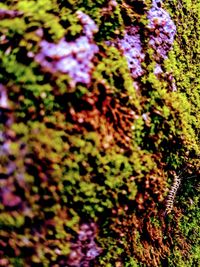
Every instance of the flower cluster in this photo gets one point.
(162, 30)
(89, 26)
(131, 47)
(85, 249)
(161, 34)
(73, 58)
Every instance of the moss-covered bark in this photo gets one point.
(93, 134)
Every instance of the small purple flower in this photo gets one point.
(89, 26)
(73, 58)
(3, 97)
(158, 70)
(162, 30)
(131, 47)
(85, 249)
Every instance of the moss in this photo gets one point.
(104, 152)
(11, 220)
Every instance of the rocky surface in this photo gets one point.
(99, 104)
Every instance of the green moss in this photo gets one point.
(100, 152)
(11, 221)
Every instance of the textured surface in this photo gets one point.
(99, 111)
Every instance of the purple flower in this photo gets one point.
(3, 97)
(73, 58)
(131, 47)
(162, 30)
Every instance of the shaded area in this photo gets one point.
(93, 134)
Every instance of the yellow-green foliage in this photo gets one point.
(101, 152)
